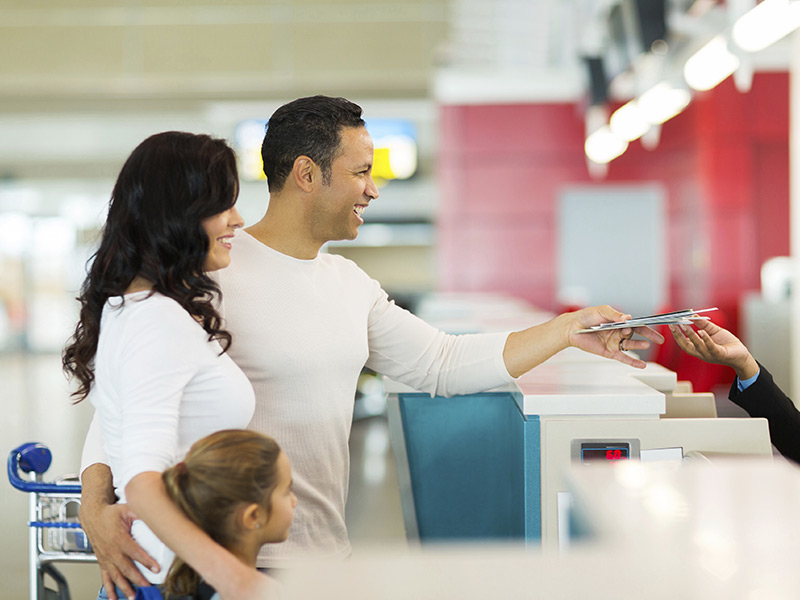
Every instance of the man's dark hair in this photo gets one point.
(306, 127)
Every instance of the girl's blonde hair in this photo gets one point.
(221, 473)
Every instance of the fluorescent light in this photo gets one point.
(765, 24)
(628, 122)
(662, 102)
(710, 65)
(604, 145)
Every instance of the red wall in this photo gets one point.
(723, 163)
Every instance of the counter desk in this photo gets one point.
(694, 531)
(493, 466)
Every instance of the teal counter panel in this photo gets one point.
(533, 479)
(467, 459)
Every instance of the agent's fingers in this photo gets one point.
(707, 348)
(711, 346)
(679, 334)
(691, 334)
(684, 343)
(707, 326)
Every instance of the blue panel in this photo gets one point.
(533, 480)
(466, 459)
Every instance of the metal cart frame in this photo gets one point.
(55, 534)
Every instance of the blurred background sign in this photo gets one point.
(395, 143)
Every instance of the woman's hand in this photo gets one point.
(613, 343)
(716, 345)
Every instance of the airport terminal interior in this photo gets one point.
(533, 157)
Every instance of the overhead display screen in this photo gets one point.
(395, 142)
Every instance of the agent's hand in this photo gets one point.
(714, 344)
(612, 343)
(108, 527)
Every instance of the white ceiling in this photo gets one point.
(82, 81)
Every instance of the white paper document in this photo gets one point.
(678, 317)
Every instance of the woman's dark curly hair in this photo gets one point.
(170, 183)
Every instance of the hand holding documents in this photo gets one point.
(613, 333)
(679, 317)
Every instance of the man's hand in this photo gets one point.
(528, 348)
(108, 527)
(610, 343)
(714, 344)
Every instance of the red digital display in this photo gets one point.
(604, 452)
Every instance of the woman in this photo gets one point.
(149, 349)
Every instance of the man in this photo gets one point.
(305, 323)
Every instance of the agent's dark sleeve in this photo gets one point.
(765, 399)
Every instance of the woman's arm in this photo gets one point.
(234, 580)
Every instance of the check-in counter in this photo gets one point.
(693, 530)
(493, 465)
(732, 520)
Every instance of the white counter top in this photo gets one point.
(594, 387)
(575, 385)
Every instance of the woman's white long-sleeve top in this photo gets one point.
(160, 385)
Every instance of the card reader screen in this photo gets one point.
(598, 452)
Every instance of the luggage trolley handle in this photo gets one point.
(34, 457)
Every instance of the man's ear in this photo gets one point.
(305, 173)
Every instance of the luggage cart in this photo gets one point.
(55, 534)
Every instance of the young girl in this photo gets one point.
(236, 485)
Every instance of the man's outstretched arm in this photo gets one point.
(526, 349)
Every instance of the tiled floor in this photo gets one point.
(36, 407)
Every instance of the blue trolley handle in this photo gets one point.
(35, 457)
